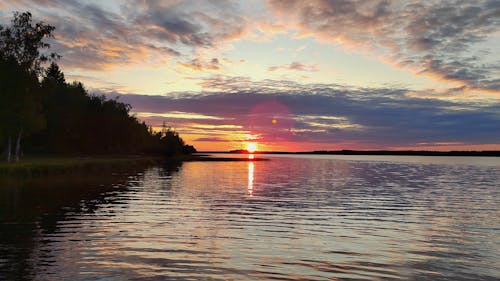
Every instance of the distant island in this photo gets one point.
(489, 153)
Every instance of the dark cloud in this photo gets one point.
(199, 64)
(439, 38)
(331, 114)
(95, 37)
(191, 23)
(436, 37)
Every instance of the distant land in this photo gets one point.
(489, 153)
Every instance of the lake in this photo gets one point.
(295, 217)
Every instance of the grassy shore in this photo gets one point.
(40, 165)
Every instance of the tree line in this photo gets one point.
(40, 112)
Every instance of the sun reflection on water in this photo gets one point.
(359, 219)
(250, 177)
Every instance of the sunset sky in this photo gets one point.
(290, 75)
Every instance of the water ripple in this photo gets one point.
(292, 218)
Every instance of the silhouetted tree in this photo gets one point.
(23, 41)
(21, 62)
(20, 104)
(54, 74)
(54, 116)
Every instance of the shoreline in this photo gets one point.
(63, 164)
(485, 153)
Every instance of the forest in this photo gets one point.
(42, 113)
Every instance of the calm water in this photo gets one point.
(291, 218)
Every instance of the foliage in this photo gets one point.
(20, 99)
(81, 123)
(53, 116)
(23, 42)
(21, 62)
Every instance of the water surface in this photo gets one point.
(291, 218)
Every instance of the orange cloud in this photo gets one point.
(403, 33)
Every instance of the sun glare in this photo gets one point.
(251, 147)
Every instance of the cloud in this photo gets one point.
(329, 113)
(98, 37)
(437, 38)
(199, 65)
(179, 115)
(451, 40)
(297, 66)
(215, 139)
(447, 40)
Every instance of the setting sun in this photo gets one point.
(249, 139)
(251, 147)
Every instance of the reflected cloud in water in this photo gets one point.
(310, 218)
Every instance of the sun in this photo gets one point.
(251, 147)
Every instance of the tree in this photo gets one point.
(20, 105)
(25, 43)
(21, 60)
(54, 74)
(53, 116)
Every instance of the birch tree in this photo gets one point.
(23, 51)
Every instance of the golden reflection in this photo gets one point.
(250, 177)
(251, 156)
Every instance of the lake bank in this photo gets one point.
(45, 165)
(483, 153)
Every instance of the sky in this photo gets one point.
(290, 75)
